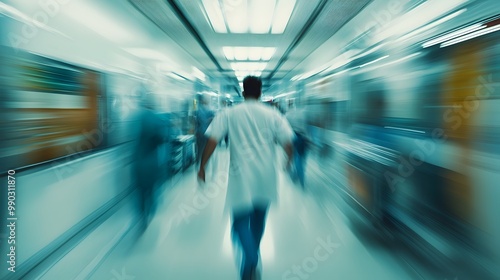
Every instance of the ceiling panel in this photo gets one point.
(334, 15)
(161, 14)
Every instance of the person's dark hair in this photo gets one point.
(252, 87)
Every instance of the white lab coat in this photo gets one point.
(255, 131)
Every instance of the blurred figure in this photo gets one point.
(225, 104)
(298, 121)
(253, 128)
(204, 116)
(146, 158)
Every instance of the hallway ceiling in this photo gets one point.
(311, 23)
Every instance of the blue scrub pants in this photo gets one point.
(248, 228)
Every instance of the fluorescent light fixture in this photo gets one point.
(452, 35)
(215, 16)
(228, 52)
(248, 66)
(248, 53)
(431, 25)
(264, 16)
(471, 35)
(267, 53)
(240, 73)
(254, 53)
(284, 10)
(240, 53)
(235, 16)
(147, 53)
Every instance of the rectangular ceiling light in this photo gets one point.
(267, 53)
(240, 53)
(240, 73)
(215, 16)
(248, 66)
(228, 52)
(236, 16)
(254, 53)
(263, 11)
(249, 53)
(283, 13)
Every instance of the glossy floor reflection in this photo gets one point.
(305, 238)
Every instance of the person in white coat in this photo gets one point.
(255, 130)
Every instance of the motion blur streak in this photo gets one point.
(101, 125)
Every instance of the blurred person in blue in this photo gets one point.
(298, 120)
(146, 161)
(255, 130)
(204, 116)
